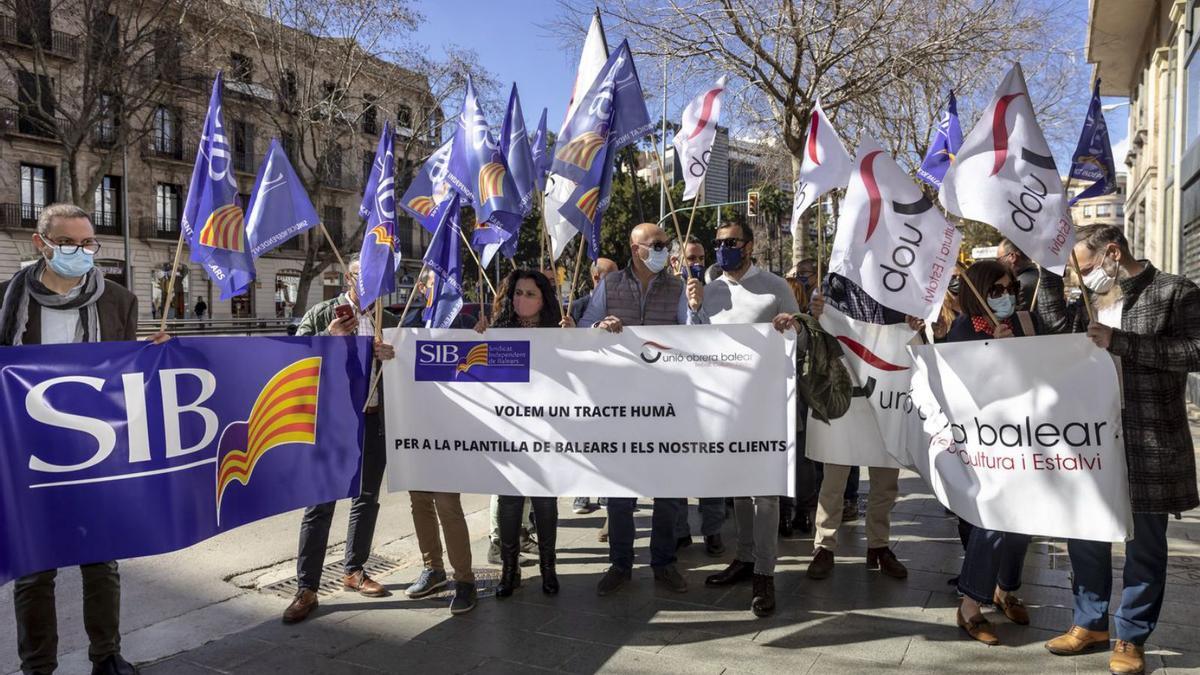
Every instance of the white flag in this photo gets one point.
(696, 135)
(1004, 175)
(558, 188)
(826, 165)
(890, 239)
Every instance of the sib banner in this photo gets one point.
(123, 449)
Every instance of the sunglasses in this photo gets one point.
(728, 242)
(657, 246)
(999, 290)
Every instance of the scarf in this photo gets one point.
(982, 324)
(26, 284)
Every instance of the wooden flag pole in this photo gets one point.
(162, 324)
(983, 302)
(1087, 303)
(477, 263)
(336, 253)
(683, 242)
(820, 242)
(662, 175)
(575, 277)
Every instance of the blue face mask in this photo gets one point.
(72, 265)
(1003, 306)
(696, 272)
(729, 258)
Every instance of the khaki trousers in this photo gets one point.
(428, 508)
(885, 485)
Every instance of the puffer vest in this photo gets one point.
(660, 307)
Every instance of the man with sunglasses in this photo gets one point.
(1022, 269)
(63, 299)
(645, 293)
(746, 293)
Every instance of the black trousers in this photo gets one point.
(364, 511)
(37, 620)
(545, 517)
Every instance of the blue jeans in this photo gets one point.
(712, 517)
(992, 559)
(1144, 579)
(621, 531)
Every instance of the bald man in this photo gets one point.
(600, 269)
(645, 293)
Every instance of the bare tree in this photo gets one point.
(882, 66)
(88, 73)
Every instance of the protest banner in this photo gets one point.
(664, 411)
(121, 449)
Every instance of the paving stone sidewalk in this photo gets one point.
(857, 621)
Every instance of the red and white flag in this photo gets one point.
(1004, 175)
(890, 239)
(826, 165)
(695, 139)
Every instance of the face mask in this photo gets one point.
(1003, 306)
(729, 258)
(1098, 280)
(71, 265)
(526, 307)
(955, 285)
(696, 272)
(656, 260)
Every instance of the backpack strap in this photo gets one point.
(1026, 323)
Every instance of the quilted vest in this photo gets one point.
(660, 307)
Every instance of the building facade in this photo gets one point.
(140, 158)
(1108, 209)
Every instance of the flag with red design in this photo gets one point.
(694, 142)
(1004, 175)
(825, 166)
(890, 239)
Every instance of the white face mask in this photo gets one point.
(1099, 280)
(656, 260)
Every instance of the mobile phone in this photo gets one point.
(694, 272)
(343, 312)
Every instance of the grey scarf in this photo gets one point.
(26, 284)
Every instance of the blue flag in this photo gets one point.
(479, 173)
(279, 209)
(213, 223)
(541, 154)
(380, 248)
(609, 117)
(514, 144)
(429, 188)
(947, 139)
(1093, 158)
(443, 258)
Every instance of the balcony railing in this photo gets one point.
(38, 126)
(58, 43)
(107, 223)
(153, 227)
(104, 136)
(337, 180)
(19, 215)
(174, 152)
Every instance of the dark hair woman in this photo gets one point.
(526, 299)
(991, 568)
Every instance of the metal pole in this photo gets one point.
(125, 215)
(741, 202)
(662, 191)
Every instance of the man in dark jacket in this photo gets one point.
(64, 299)
(1023, 270)
(1150, 320)
(323, 319)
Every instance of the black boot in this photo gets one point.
(763, 602)
(510, 569)
(549, 575)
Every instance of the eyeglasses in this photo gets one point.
(656, 245)
(71, 248)
(728, 242)
(998, 290)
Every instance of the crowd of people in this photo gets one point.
(1148, 319)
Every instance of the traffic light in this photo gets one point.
(752, 203)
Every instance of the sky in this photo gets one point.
(544, 72)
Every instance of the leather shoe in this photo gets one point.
(737, 571)
(822, 564)
(302, 605)
(1127, 659)
(668, 576)
(1078, 640)
(365, 585)
(1012, 607)
(114, 665)
(978, 628)
(884, 560)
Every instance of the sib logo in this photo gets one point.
(475, 361)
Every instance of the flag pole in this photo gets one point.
(162, 324)
(337, 254)
(662, 175)
(542, 230)
(692, 218)
(477, 263)
(987, 308)
(1087, 303)
(575, 277)
(820, 241)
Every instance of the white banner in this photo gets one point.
(852, 439)
(667, 411)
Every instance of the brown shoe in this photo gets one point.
(1078, 640)
(822, 564)
(1127, 659)
(978, 628)
(302, 605)
(1012, 607)
(885, 561)
(364, 585)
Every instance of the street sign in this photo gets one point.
(985, 252)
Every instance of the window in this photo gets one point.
(106, 216)
(105, 133)
(370, 115)
(1121, 209)
(37, 190)
(105, 36)
(433, 118)
(243, 146)
(164, 134)
(287, 287)
(368, 163)
(1087, 212)
(241, 68)
(404, 117)
(35, 104)
(167, 55)
(167, 209)
(288, 141)
(289, 91)
(332, 215)
(329, 169)
(1103, 210)
(33, 23)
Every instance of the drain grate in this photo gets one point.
(331, 577)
